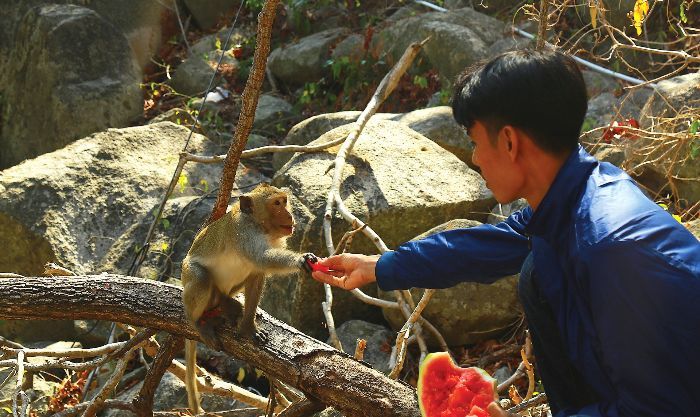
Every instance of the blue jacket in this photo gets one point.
(622, 277)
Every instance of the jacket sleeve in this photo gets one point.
(478, 254)
(646, 314)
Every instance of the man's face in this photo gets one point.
(492, 155)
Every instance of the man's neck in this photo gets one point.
(542, 168)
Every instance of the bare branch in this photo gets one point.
(143, 403)
(98, 402)
(250, 96)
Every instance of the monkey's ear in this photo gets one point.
(246, 204)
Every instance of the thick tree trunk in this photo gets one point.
(324, 373)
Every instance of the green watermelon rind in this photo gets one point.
(444, 356)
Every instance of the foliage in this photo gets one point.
(639, 13)
(69, 392)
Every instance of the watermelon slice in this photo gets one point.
(446, 390)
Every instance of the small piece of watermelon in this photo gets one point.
(446, 390)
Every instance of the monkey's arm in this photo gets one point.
(271, 260)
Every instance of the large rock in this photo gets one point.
(146, 24)
(694, 227)
(458, 39)
(72, 205)
(395, 180)
(70, 74)
(438, 125)
(272, 114)
(28, 331)
(671, 109)
(171, 394)
(467, 312)
(207, 13)
(194, 74)
(302, 62)
(435, 123)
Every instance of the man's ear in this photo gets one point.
(511, 139)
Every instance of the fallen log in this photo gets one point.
(318, 370)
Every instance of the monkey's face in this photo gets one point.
(280, 216)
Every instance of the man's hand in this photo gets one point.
(348, 270)
(496, 411)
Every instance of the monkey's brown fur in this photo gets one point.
(230, 255)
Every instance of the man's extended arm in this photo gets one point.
(478, 254)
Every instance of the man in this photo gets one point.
(610, 282)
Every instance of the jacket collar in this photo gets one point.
(555, 210)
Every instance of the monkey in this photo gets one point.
(232, 255)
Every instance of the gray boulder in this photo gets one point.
(217, 41)
(467, 312)
(351, 47)
(70, 206)
(193, 76)
(70, 73)
(509, 43)
(438, 125)
(408, 10)
(670, 109)
(28, 331)
(145, 24)
(597, 83)
(304, 17)
(311, 129)
(378, 339)
(302, 62)
(171, 394)
(257, 141)
(206, 13)
(606, 107)
(613, 154)
(272, 114)
(397, 181)
(458, 39)
(435, 123)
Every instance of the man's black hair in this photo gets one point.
(540, 92)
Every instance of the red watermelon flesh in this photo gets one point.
(446, 390)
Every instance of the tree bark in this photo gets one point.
(324, 373)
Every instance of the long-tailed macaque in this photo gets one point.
(231, 255)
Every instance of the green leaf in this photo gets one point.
(217, 44)
(694, 149)
(166, 223)
(164, 246)
(694, 127)
(420, 81)
(205, 184)
(684, 18)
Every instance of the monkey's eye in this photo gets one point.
(277, 203)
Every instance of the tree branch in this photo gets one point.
(251, 92)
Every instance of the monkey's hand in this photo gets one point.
(306, 262)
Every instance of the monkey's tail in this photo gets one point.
(191, 377)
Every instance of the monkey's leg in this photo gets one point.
(199, 295)
(253, 292)
(231, 309)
